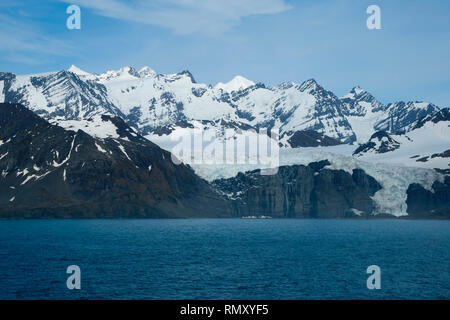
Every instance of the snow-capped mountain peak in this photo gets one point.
(236, 84)
(357, 90)
(123, 74)
(78, 71)
(309, 85)
(148, 100)
(359, 94)
(146, 72)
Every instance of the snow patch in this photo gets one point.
(2, 95)
(123, 151)
(78, 71)
(95, 127)
(99, 148)
(35, 177)
(55, 164)
(236, 84)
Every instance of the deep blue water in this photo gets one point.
(224, 259)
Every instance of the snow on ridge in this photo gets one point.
(417, 144)
(236, 84)
(123, 74)
(358, 90)
(99, 148)
(124, 151)
(146, 72)
(78, 71)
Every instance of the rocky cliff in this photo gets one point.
(301, 192)
(48, 171)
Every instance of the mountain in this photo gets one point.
(402, 146)
(379, 142)
(238, 83)
(367, 115)
(99, 167)
(426, 145)
(308, 138)
(147, 100)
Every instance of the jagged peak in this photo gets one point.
(287, 85)
(78, 71)
(123, 73)
(360, 94)
(358, 90)
(414, 104)
(310, 84)
(132, 71)
(440, 115)
(188, 74)
(146, 72)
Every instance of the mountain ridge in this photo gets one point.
(49, 171)
(147, 100)
(101, 167)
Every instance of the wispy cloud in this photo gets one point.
(23, 42)
(211, 17)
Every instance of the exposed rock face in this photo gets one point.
(423, 203)
(47, 171)
(301, 192)
(404, 116)
(441, 115)
(310, 138)
(380, 142)
(101, 167)
(359, 102)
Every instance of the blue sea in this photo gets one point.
(224, 259)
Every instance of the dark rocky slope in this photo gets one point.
(47, 171)
(379, 142)
(301, 192)
(316, 192)
(310, 138)
(423, 203)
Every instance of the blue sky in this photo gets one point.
(269, 41)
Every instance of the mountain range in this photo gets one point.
(90, 132)
(147, 100)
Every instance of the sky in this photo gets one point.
(268, 41)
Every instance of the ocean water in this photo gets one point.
(224, 259)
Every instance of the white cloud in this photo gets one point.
(211, 17)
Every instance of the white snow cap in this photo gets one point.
(238, 83)
(146, 72)
(78, 71)
(357, 90)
